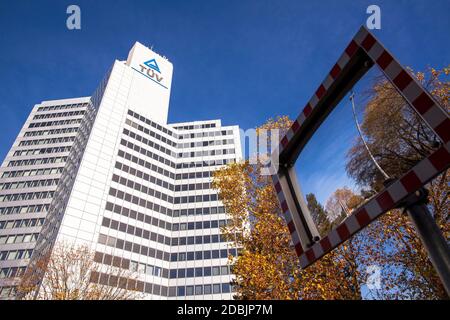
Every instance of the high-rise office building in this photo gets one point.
(109, 172)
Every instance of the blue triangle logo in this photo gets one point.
(152, 65)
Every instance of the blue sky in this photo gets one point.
(241, 61)
(321, 165)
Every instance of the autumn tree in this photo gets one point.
(396, 135)
(355, 252)
(318, 214)
(70, 273)
(341, 203)
(398, 138)
(267, 266)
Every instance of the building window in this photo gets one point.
(198, 290)
(190, 290)
(215, 271)
(226, 288)
(207, 289)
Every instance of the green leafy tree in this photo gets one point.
(319, 215)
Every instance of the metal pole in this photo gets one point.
(352, 97)
(431, 236)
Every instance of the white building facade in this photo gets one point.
(135, 189)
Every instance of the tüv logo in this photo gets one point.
(152, 65)
(151, 69)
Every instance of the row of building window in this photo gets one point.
(203, 289)
(196, 198)
(38, 161)
(46, 141)
(208, 224)
(206, 153)
(151, 270)
(142, 175)
(143, 163)
(190, 164)
(193, 175)
(205, 163)
(155, 168)
(155, 289)
(198, 211)
(62, 107)
(203, 143)
(156, 207)
(198, 272)
(145, 269)
(11, 272)
(203, 153)
(15, 255)
(147, 153)
(193, 186)
(164, 224)
(202, 255)
(7, 292)
(140, 202)
(124, 263)
(150, 166)
(50, 132)
(26, 196)
(153, 236)
(34, 208)
(30, 152)
(149, 143)
(32, 172)
(163, 255)
(169, 212)
(53, 123)
(58, 115)
(159, 182)
(187, 136)
(196, 126)
(148, 132)
(160, 195)
(151, 123)
(29, 184)
(19, 238)
(21, 223)
(204, 134)
(185, 127)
